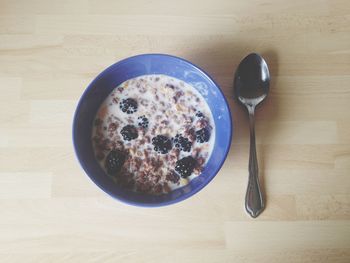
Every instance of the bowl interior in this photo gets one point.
(132, 67)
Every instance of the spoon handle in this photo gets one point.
(254, 203)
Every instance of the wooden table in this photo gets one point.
(51, 211)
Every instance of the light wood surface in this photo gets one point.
(51, 211)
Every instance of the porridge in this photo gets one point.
(153, 134)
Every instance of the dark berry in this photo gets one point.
(142, 121)
(199, 114)
(162, 144)
(185, 166)
(203, 135)
(114, 161)
(182, 143)
(128, 105)
(171, 86)
(129, 132)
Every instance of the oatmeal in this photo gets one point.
(153, 134)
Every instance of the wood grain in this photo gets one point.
(50, 210)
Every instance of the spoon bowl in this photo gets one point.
(252, 80)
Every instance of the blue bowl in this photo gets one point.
(132, 67)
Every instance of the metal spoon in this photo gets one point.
(252, 81)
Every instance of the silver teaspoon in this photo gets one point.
(251, 85)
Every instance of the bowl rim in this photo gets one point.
(183, 196)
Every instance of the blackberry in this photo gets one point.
(182, 143)
(203, 135)
(185, 166)
(128, 106)
(199, 114)
(114, 161)
(162, 144)
(142, 121)
(129, 132)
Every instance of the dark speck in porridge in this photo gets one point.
(153, 134)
